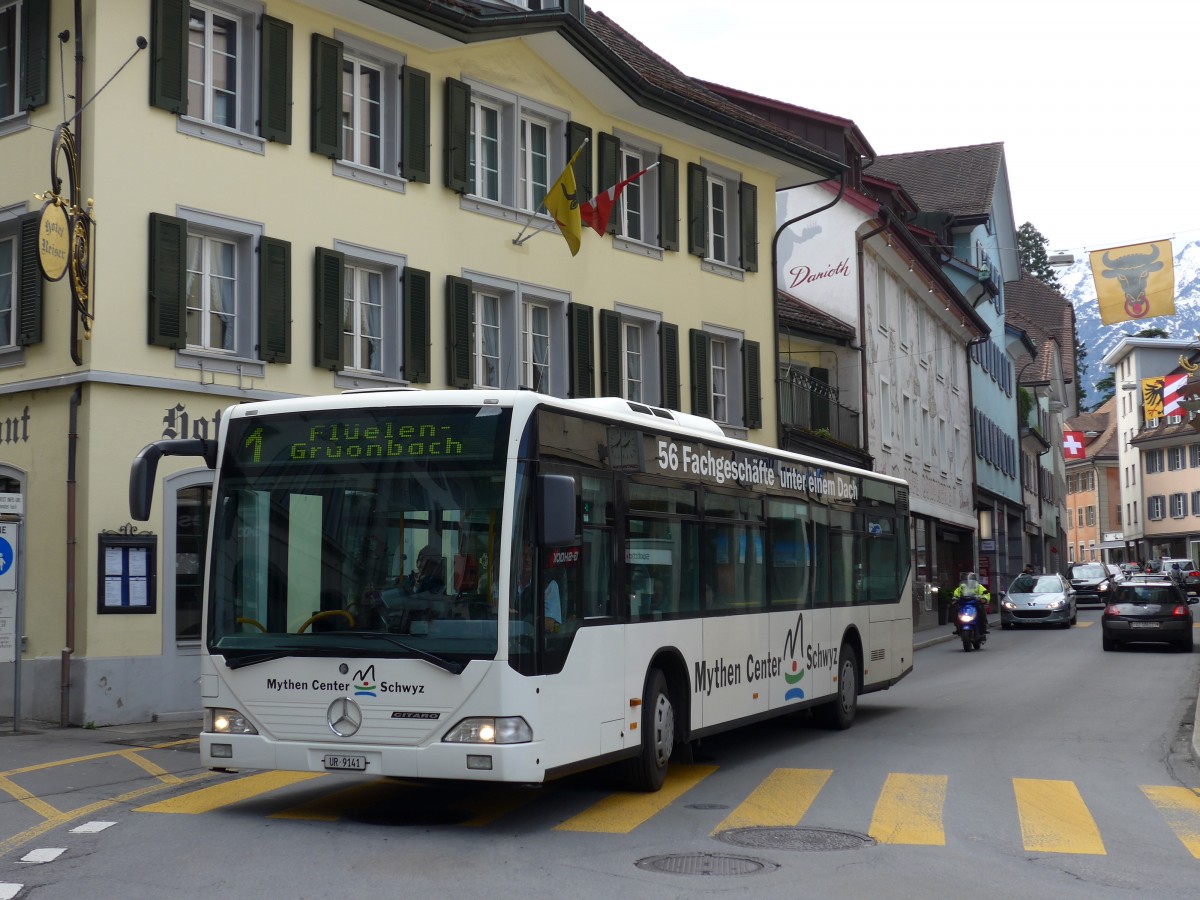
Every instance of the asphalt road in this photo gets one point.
(1038, 767)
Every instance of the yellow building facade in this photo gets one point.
(303, 198)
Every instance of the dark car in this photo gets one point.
(1093, 583)
(1183, 572)
(1154, 611)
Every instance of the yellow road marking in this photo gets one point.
(63, 818)
(157, 771)
(1084, 624)
(621, 813)
(781, 799)
(909, 810)
(1054, 818)
(41, 807)
(1181, 807)
(210, 798)
(78, 759)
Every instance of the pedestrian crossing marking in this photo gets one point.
(39, 806)
(910, 810)
(218, 795)
(1054, 818)
(781, 800)
(1181, 807)
(621, 813)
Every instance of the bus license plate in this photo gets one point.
(1143, 624)
(355, 763)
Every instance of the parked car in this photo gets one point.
(1117, 573)
(1038, 600)
(1131, 568)
(1092, 583)
(1155, 611)
(1186, 575)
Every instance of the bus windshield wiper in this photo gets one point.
(253, 659)
(454, 668)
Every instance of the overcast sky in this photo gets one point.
(1096, 102)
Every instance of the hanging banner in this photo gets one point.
(1134, 282)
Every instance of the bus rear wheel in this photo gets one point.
(648, 770)
(838, 714)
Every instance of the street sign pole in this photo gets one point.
(10, 609)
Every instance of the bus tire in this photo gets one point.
(838, 713)
(648, 770)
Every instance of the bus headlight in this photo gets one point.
(227, 721)
(481, 730)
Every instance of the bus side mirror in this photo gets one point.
(144, 470)
(556, 515)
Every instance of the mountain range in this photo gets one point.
(1079, 287)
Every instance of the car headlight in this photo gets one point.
(486, 730)
(227, 721)
(1057, 604)
(1008, 604)
(1104, 587)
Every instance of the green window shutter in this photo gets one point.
(609, 147)
(275, 88)
(416, 325)
(748, 198)
(169, 55)
(610, 353)
(330, 294)
(168, 274)
(326, 96)
(752, 385)
(583, 359)
(701, 373)
(414, 137)
(274, 300)
(581, 136)
(459, 333)
(668, 353)
(697, 192)
(458, 135)
(35, 53)
(575, 8)
(668, 202)
(29, 283)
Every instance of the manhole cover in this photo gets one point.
(796, 838)
(705, 864)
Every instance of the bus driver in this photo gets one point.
(552, 604)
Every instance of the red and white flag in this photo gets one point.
(1073, 445)
(1173, 386)
(597, 211)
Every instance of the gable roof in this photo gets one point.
(1045, 315)
(957, 180)
(795, 313)
(1102, 424)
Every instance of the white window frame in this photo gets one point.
(359, 54)
(390, 267)
(11, 89)
(1176, 459)
(647, 323)
(719, 365)
(637, 154)
(512, 299)
(514, 200)
(1178, 505)
(242, 134)
(732, 341)
(1156, 507)
(723, 181)
(533, 184)
(886, 426)
(494, 140)
(536, 342)
(245, 237)
(208, 274)
(10, 270)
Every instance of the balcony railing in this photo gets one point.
(812, 405)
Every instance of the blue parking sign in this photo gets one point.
(8, 558)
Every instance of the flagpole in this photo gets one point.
(519, 240)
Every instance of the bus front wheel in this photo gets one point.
(648, 770)
(838, 714)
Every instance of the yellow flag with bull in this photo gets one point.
(1134, 282)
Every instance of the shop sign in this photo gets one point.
(12, 504)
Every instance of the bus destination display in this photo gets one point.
(363, 436)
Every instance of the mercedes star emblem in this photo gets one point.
(344, 717)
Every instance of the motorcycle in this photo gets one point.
(972, 622)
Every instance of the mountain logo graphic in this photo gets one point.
(364, 682)
(794, 637)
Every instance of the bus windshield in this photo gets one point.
(364, 532)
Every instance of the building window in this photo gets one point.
(1196, 503)
(535, 345)
(362, 320)
(722, 220)
(632, 367)
(8, 291)
(720, 380)
(885, 412)
(1091, 516)
(487, 340)
(1156, 507)
(24, 60)
(726, 378)
(362, 113)
(633, 224)
(214, 66)
(1176, 459)
(516, 148)
(212, 288)
(1154, 461)
(1178, 505)
(635, 346)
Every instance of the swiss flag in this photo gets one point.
(1073, 445)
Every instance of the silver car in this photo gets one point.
(1038, 600)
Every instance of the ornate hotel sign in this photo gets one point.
(65, 232)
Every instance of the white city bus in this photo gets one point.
(366, 608)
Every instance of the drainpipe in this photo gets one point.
(64, 713)
(775, 296)
(860, 242)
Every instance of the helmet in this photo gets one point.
(971, 584)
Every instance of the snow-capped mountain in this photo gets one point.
(1079, 287)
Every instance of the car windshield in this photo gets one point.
(1036, 584)
(1148, 594)
(1089, 571)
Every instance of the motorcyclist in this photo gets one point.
(970, 587)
